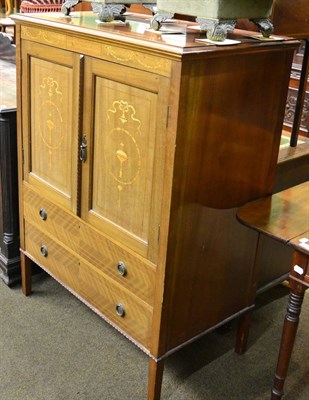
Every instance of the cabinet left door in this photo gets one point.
(51, 119)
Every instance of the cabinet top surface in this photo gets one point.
(178, 38)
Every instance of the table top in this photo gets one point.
(283, 216)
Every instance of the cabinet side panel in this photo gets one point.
(232, 117)
(229, 129)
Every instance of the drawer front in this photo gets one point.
(56, 259)
(119, 306)
(128, 270)
(131, 271)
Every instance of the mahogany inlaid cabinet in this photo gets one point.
(135, 150)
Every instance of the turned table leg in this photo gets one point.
(301, 96)
(287, 341)
(155, 376)
(26, 274)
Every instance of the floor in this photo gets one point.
(7, 73)
(8, 30)
(7, 81)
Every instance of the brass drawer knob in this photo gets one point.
(43, 214)
(120, 310)
(122, 269)
(44, 250)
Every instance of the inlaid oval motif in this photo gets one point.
(122, 156)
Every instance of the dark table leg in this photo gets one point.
(287, 341)
(301, 96)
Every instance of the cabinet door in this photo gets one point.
(50, 103)
(125, 114)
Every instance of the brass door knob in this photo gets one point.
(122, 269)
(120, 310)
(44, 250)
(43, 214)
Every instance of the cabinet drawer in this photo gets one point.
(119, 306)
(56, 259)
(50, 218)
(128, 269)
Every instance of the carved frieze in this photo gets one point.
(290, 110)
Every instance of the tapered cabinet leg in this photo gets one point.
(26, 274)
(244, 324)
(155, 376)
(287, 341)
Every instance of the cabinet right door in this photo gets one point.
(125, 116)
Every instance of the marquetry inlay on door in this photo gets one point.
(124, 152)
(51, 120)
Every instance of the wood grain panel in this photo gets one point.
(59, 261)
(230, 127)
(91, 245)
(291, 18)
(43, 36)
(125, 129)
(91, 284)
(51, 121)
(207, 271)
(104, 295)
(119, 54)
(144, 61)
(125, 136)
(263, 214)
(58, 223)
(102, 253)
